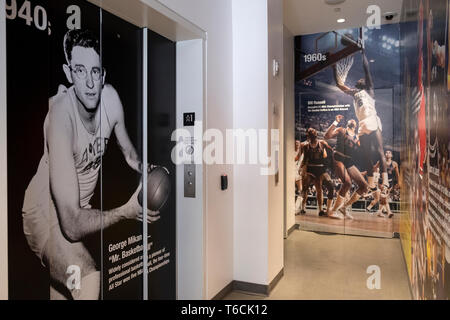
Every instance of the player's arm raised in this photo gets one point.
(76, 223)
(115, 106)
(341, 85)
(369, 81)
(333, 130)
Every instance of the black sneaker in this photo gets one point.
(302, 212)
(323, 214)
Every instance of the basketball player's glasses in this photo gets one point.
(81, 72)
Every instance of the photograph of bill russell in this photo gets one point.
(346, 152)
(57, 212)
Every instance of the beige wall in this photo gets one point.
(289, 127)
(3, 181)
(276, 191)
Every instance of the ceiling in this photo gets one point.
(153, 15)
(313, 16)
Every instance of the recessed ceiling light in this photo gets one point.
(342, 20)
(372, 61)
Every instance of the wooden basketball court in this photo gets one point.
(364, 224)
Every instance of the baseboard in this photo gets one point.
(224, 292)
(253, 288)
(248, 287)
(407, 271)
(296, 226)
(275, 281)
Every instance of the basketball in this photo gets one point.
(345, 41)
(158, 189)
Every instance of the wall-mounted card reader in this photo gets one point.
(224, 182)
(189, 180)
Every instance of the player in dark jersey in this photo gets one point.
(316, 159)
(392, 170)
(347, 146)
(393, 179)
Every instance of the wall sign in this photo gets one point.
(189, 119)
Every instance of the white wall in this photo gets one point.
(258, 201)
(190, 226)
(250, 56)
(276, 88)
(240, 100)
(289, 126)
(3, 180)
(215, 18)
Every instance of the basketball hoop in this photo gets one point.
(343, 66)
(337, 47)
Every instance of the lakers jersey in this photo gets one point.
(364, 105)
(88, 149)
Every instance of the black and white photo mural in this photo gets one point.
(75, 152)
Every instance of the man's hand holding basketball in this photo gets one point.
(134, 210)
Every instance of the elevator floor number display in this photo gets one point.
(189, 119)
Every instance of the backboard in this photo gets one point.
(329, 48)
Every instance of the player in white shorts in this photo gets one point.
(382, 198)
(57, 214)
(370, 127)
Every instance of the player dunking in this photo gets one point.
(347, 146)
(369, 123)
(57, 214)
(316, 158)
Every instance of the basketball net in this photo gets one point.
(343, 66)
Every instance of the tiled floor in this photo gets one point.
(325, 266)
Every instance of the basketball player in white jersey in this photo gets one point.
(57, 215)
(369, 125)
